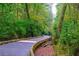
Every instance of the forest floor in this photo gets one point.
(45, 49)
(19, 48)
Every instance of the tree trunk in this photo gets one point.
(51, 19)
(29, 18)
(61, 20)
(27, 10)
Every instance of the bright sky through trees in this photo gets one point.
(54, 9)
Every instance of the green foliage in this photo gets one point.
(15, 23)
(68, 41)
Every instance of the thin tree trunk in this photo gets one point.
(51, 19)
(27, 10)
(17, 15)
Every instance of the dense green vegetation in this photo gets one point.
(66, 29)
(24, 20)
(29, 20)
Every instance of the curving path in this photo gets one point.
(20, 48)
